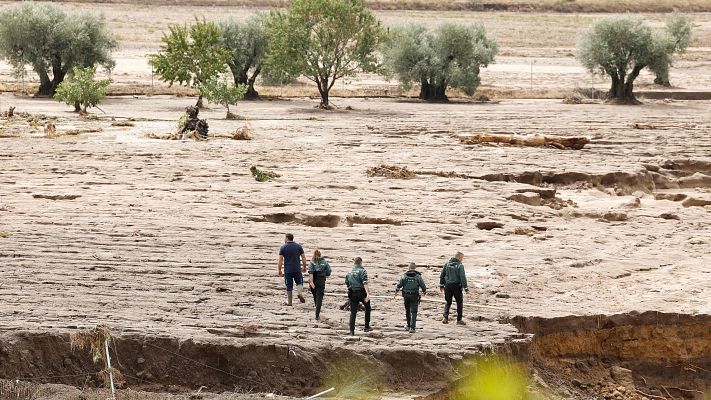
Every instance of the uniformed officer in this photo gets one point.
(358, 292)
(411, 282)
(451, 281)
(319, 270)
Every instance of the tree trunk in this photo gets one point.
(433, 91)
(58, 75)
(84, 106)
(662, 81)
(45, 88)
(77, 106)
(323, 90)
(622, 88)
(251, 92)
(199, 103)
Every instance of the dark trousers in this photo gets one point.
(412, 302)
(358, 296)
(453, 290)
(318, 291)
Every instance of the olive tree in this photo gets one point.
(53, 42)
(678, 31)
(323, 40)
(247, 41)
(621, 47)
(191, 55)
(449, 56)
(81, 90)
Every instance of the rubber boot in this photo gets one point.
(299, 290)
(288, 298)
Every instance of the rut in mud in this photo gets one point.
(654, 354)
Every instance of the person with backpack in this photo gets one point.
(319, 270)
(411, 282)
(358, 293)
(451, 281)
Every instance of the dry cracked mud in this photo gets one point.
(599, 257)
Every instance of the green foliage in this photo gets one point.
(323, 40)
(247, 42)
(191, 55)
(493, 378)
(222, 92)
(450, 56)
(621, 47)
(262, 176)
(53, 42)
(678, 38)
(80, 88)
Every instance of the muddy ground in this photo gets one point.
(174, 244)
(598, 259)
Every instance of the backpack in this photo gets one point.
(410, 284)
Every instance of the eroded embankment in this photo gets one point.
(658, 354)
(168, 364)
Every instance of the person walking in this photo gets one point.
(319, 270)
(289, 255)
(411, 282)
(358, 292)
(451, 281)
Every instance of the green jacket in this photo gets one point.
(320, 268)
(357, 278)
(453, 272)
(411, 282)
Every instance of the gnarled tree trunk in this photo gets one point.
(622, 88)
(430, 90)
(241, 77)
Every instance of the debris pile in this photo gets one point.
(391, 171)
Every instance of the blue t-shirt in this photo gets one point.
(291, 252)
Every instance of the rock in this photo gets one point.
(669, 216)
(532, 199)
(622, 376)
(503, 295)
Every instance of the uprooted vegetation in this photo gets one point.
(559, 142)
(262, 175)
(391, 171)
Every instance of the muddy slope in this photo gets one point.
(654, 353)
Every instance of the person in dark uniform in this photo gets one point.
(411, 282)
(319, 270)
(290, 253)
(451, 281)
(358, 293)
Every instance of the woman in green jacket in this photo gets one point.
(319, 270)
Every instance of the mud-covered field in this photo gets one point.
(591, 265)
(167, 241)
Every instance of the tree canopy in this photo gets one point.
(191, 55)
(53, 42)
(247, 41)
(621, 47)
(81, 90)
(450, 56)
(323, 40)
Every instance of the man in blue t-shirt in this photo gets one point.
(289, 255)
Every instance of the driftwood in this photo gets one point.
(560, 142)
